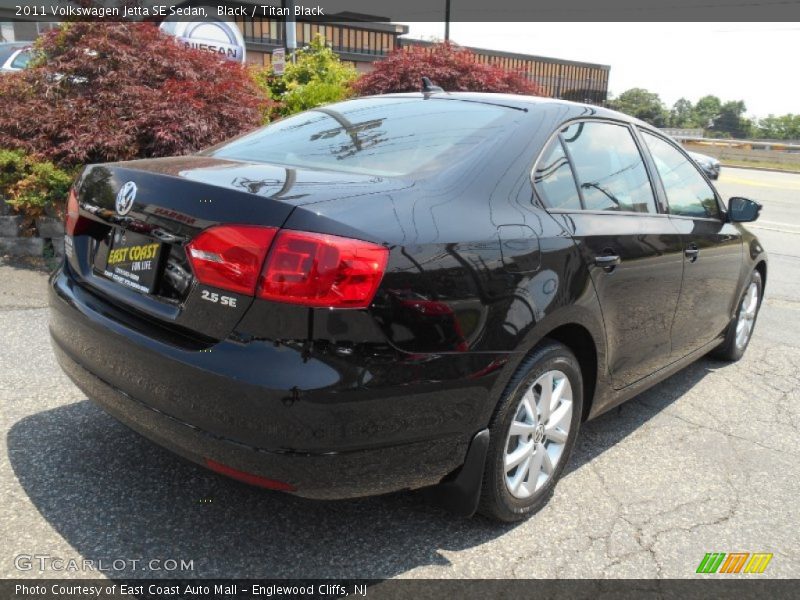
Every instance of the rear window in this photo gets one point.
(389, 136)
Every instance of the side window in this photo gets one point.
(609, 168)
(688, 194)
(21, 60)
(553, 179)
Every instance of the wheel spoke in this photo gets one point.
(517, 456)
(558, 392)
(560, 417)
(547, 463)
(521, 474)
(528, 407)
(536, 464)
(519, 428)
(559, 436)
(546, 396)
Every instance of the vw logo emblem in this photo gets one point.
(125, 197)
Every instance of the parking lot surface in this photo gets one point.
(707, 461)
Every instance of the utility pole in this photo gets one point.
(446, 20)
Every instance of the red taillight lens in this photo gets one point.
(230, 256)
(73, 224)
(322, 270)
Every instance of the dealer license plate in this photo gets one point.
(133, 260)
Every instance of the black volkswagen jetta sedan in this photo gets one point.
(400, 292)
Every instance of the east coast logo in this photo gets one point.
(734, 562)
(125, 197)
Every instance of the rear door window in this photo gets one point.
(553, 179)
(609, 168)
(688, 193)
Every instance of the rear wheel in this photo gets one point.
(741, 328)
(532, 433)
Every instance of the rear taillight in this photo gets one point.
(230, 256)
(74, 224)
(311, 269)
(315, 269)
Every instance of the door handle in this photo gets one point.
(691, 252)
(608, 261)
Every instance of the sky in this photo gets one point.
(754, 62)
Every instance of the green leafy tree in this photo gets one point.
(706, 111)
(784, 127)
(642, 104)
(731, 121)
(682, 114)
(316, 77)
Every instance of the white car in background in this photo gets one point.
(14, 56)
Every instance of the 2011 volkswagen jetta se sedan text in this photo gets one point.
(402, 291)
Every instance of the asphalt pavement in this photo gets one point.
(707, 461)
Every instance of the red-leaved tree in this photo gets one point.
(118, 91)
(453, 68)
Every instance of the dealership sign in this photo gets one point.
(220, 37)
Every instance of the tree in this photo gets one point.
(731, 122)
(784, 127)
(449, 66)
(641, 104)
(706, 111)
(316, 77)
(682, 114)
(117, 91)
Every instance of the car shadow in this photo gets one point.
(605, 431)
(112, 494)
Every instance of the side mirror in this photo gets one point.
(743, 210)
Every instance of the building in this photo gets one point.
(359, 40)
(363, 39)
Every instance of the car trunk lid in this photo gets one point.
(139, 218)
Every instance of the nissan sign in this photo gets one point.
(220, 37)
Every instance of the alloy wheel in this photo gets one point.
(538, 434)
(747, 316)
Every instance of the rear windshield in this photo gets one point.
(387, 136)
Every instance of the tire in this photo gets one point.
(498, 501)
(733, 347)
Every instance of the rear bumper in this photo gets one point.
(329, 428)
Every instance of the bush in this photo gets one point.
(316, 77)
(33, 187)
(12, 165)
(118, 91)
(449, 66)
